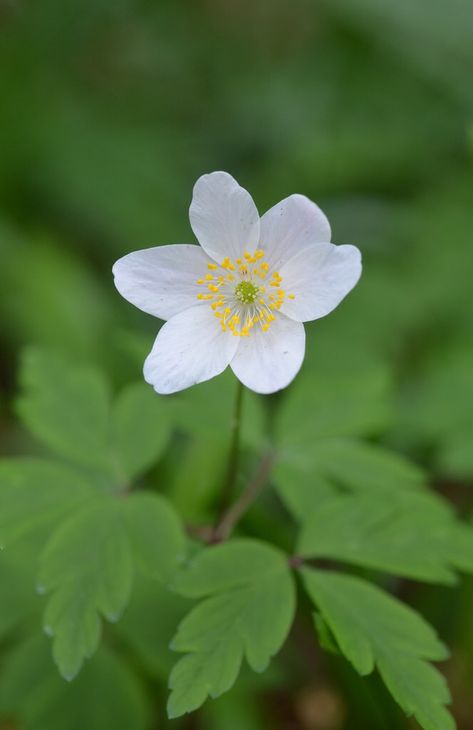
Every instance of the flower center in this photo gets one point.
(243, 294)
(246, 292)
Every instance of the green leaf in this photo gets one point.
(361, 466)
(329, 466)
(87, 566)
(36, 494)
(302, 491)
(66, 407)
(333, 404)
(374, 629)
(412, 535)
(155, 532)
(140, 430)
(105, 695)
(247, 606)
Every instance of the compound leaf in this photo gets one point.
(87, 567)
(247, 606)
(413, 535)
(372, 629)
(335, 465)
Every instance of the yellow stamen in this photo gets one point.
(245, 297)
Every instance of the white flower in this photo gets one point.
(239, 298)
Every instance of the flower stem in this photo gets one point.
(251, 492)
(234, 453)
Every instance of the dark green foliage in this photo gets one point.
(372, 629)
(246, 612)
(110, 111)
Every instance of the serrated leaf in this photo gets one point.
(412, 535)
(155, 532)
(374, 629)
(140, 430)
(87, 567)
(247, 608)
(88, 562)
(361, 466)
(330, 466)
(35, 494)
(65, 406)
(105, 695)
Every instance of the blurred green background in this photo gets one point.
(109, 111)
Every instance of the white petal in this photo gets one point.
(162, 281)
(223, 216)
(268, 361)
(319, 277)
(189, 349)
(290, 226)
